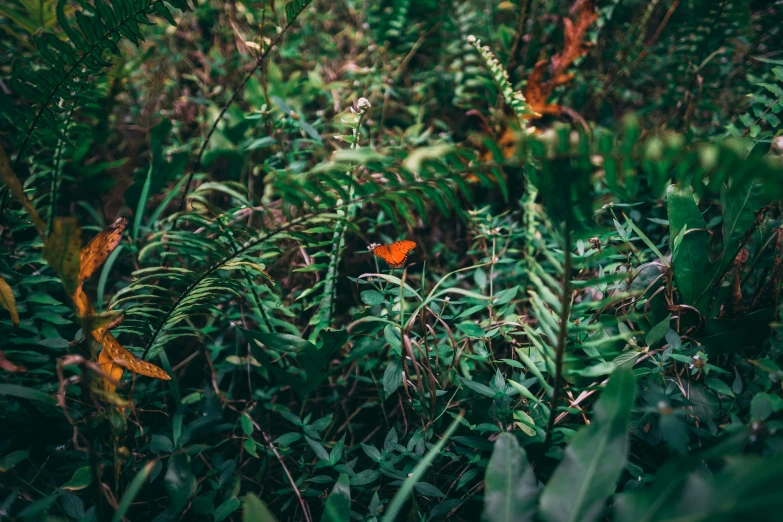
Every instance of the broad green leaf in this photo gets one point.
(26, 393)
(595, 459)
(81, 478)
(510, 487)
(180, 482)
(478, 387)
(471, 330)
(247, 424)
(12, 459)
(657, 332)
(392, 378)
(761, 407)
(691, 261)
(371, 297)
(338, 504)
(254, 510)
(226, 508)
(719, 386)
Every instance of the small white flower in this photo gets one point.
(471, 39)
(372, 246)
(363, 103)
(448, 299)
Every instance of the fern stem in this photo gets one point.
(700, 58)
(259, 63)
(326, 311)
(56, 174)
(562, 334)
(512, 62)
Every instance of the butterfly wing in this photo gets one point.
(395, 254)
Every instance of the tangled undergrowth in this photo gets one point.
(437, 260)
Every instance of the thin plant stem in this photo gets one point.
(562, 335)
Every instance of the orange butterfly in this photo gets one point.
(395, 254)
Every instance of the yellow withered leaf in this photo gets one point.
(95, 253)
(62, 251)
(119, 356)
(112, 370)
(113, 358)
(8, 301)
(14, 185)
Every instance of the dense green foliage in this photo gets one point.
(589, 328)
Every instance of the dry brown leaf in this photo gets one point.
(538, 90)
(118, 355)
(61, 251)
(95, 253)
(8, 366)
(8, 301)
(112, 370)
(15, 187)
(114, 359)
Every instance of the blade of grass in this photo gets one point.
(407, 487)
(133, 490)
(647, 241)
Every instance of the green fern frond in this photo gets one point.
(322, 318)
(294, 8)
(68, 65)
(434, 180)
(762, 120)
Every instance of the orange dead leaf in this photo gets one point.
(95, 253)
(8, 366)
(112, 370)
(15, 187)
(8, 301)
(537, 90)
(114, 359)
(122, 357)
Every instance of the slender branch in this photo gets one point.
(302, 503)
(562, 336)
(521, 19)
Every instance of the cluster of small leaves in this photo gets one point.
(762, 120)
